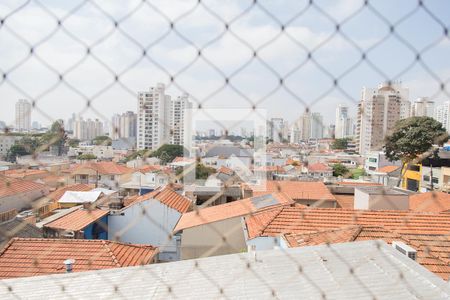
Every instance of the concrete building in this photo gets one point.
(378, 111)
(162, 120)
(423, 107)
(124, 125)
(276, 129)
(317, 127)
(6, 142)
(441, 114)
(380, 198)
(344, 124)
(87, 129)
(23, 115)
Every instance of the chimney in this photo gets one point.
(69, 265)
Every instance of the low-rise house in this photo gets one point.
(101, 174)
(217, 230)
(305, 193)
(26, 174)
(319, 170)
(358, 270)
(431, 251)
(99, 151)
(387, 175)
(430, 202)
(81, 223)
(151, 219)
(145, 180)
(19, 194)
(25, 257)
(75, 198)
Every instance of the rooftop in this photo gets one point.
(233, 209)
(103, 168)
(77, 220)
(364, 270)
(18, 228)
(297, 190)
(12, 186)
(80, 197)
(380, 190)
(300, 219)
(24, 257)
(433, 251)
(56, 195)
(430, 201)
(388, 169)
(318, 167)
(165, 195)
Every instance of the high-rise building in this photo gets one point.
(87, 129)
(305, 122)
(23, 115)
(441, 114)
(378, 111)
(344, 124)
(423, 107)
(162, 120)
(317, 126)
(276, 129)
(124, 125)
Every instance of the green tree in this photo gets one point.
(55, 137)
(86, 156)
(340, 144)
(16, 150)
(340, 170)
(167, 153)
(202, 171)
(413, 139)
(102, 140)
(73, 142)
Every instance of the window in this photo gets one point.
(372, 159)
(414, 168)
(435, 180)
(426, 178)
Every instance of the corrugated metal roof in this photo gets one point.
(80, 197)
(359, 270)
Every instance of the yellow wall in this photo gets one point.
(414, 175)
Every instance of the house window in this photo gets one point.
(426, 178)
(111, 177)
(435, 180)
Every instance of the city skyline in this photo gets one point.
(301, 88)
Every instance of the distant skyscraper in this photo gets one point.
(344, 124)
(316, 126)
(162, 120)
(423, 107)
(87, 129)
(23, 115)
(442, 113)
(378, 111)
(124, 125)
(277, 129)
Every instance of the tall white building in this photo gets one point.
(124, 125)
(344, 124)
(379, 109)
(441, 114)
(87, 129)
(423, 107)
(276, 127)
(162, 120)
(23, 115)
(317, 127)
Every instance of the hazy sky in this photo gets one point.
(224, 54)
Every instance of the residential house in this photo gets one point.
(319, 170)
(101, 174)
(19, 194)
(25, 257)
(305, 193)
(387, 175)
(145, 180)
(363, 270)
(81, 223)
(217, 230)
(75, 198)
(151, 219)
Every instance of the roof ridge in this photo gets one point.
(7, 245)
(110, 252)
(280, 209)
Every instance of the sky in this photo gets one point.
(301, 62)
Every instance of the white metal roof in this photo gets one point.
(80, 197)
(358, 270)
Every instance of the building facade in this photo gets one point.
(423, 107)
(124, 125)
(441, 114)
(344, 124)
(87, 129)
(23, 115)
(378, 111)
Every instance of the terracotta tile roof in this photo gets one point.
(433, 251)
(318, 167)
(77, 220)
(12, 186)
(182, 159)
(233, 209)
(270, 169)
(56, 195)
(357, 183)
(301, 220)
(150, 168)
(297, 190)
(345, 201)
(22, 173)
(24, 257)
(388, 169)
(430, 201)
(167, 196)
(225, 170)
(104, 168)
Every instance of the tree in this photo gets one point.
(16, 150)
(86, 156)
(102, 140)
(167, 153)
(56, 137)
(339, 170)
(203, 172)
(340, 144)
(413, 138)
(73, 143)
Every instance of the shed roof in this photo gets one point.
(77, 220)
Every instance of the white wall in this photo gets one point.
(152, 228)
